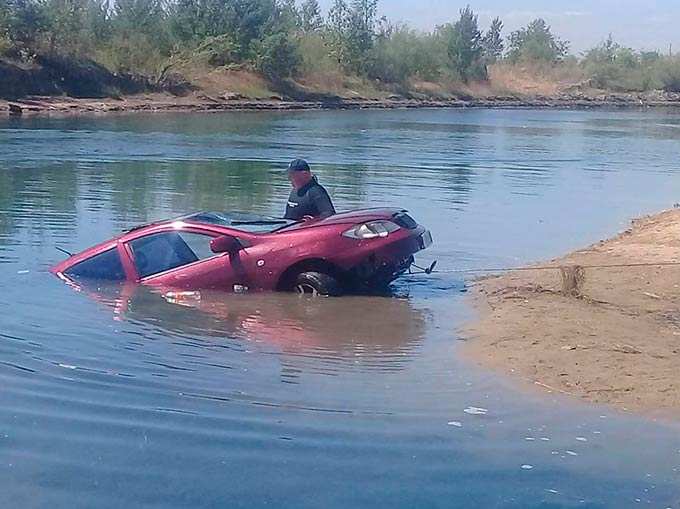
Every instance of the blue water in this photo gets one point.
(118, 398)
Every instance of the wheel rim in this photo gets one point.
(306, 289)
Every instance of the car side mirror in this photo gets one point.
(225, 244)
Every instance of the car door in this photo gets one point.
(181, 259)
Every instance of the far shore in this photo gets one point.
(58, 105)
(616, 343)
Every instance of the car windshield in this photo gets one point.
(241, 221)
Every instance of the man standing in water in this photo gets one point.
(308, 199)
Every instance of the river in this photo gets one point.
(269, 400)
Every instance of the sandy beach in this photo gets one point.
(616, 343)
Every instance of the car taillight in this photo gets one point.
(371, 230)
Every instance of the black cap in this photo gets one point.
(298, 165)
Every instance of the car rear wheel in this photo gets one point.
(316, 284)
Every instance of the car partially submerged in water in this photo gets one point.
(352, 251)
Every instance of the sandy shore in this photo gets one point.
(201, 102)
(617, 344)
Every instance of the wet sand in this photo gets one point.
(618, 343)
(161, 102)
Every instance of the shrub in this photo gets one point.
(134, 53)
(669, 74)
(612, 66)
(276, 56)
(402, 53)
(315, 55)
(215, 51)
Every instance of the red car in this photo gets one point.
(363, 249)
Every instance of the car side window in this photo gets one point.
(159, 252)
(106, 266)
(199, 244)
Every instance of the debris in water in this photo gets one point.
(473, 410)
(555, 492)
(23, 271)
(182, 298)
(581, 439)
(455, 423)
(571, 453)
(527, 467)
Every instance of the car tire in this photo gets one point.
(317, 284)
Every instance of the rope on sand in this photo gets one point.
(553, 267)
(573, 276)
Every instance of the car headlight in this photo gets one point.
(372, 230)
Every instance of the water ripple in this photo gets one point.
(113, 398)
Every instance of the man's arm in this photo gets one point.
(323, 202)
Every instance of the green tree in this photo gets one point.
(139, 15)
(195, 20)
(604, 53)
(25, 24)
(277, 56)
(465, 47)
(244, 22)
(98, 20)
(5, 43)
(350, 33)
(401, 53)
(66, 26)
(310, 14)
(492, 42)
(249, 21)
(285, 17)
(362, 24)
(337, 29)
(361, 37)
(141, 38)
(536, 43)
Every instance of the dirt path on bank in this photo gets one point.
(618, 344)
(160, 102)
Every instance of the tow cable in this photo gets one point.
(429, 270)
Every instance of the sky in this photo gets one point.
(641, 24)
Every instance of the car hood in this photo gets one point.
(351, 217)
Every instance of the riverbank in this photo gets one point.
(160, 102)
(62, 86)
(618, 343)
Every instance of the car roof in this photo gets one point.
(142, 230)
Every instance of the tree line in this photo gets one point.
(283, 39)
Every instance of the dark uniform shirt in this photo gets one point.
(310, 200)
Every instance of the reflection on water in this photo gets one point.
(328, 334)
(117, 396)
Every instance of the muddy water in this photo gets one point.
(117, 397)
